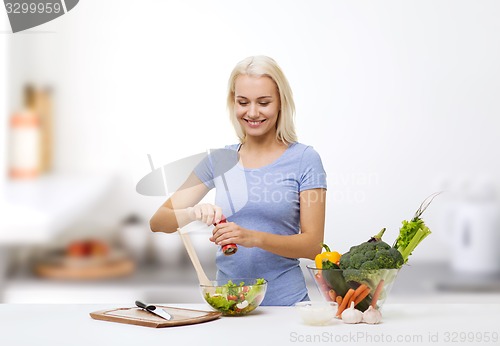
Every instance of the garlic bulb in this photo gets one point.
(372, 316)
(352, 315)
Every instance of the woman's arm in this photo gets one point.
(306, 244)
(177, 211)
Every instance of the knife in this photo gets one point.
(154, 310)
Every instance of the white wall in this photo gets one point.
(397, 96)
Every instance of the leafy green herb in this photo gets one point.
(219, 302)
(413, 232)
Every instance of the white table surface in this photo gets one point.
(413, 324)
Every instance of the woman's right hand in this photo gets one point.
(206, 213)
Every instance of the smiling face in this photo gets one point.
(257, 105)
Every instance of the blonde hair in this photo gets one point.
(259, 66)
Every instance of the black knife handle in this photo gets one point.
(140, 304)
(145, 306)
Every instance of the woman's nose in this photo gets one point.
(253, 112)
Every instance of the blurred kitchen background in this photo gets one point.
(400, 98)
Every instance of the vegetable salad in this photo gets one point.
(237, 299)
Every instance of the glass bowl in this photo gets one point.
(335, 283)
(317, 313)
(236, 297)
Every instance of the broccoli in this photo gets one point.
(371, 255)
(362, 263)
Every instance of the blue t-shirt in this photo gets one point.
(264, 199)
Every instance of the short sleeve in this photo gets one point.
(312, 173)
(216, 163)
(204, 171)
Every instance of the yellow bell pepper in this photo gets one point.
(332, 256)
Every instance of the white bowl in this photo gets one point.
(317, 313)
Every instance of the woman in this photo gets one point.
(283, 184)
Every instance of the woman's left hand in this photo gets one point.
(231, 233)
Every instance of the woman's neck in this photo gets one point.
(253, 144)
(259, 153)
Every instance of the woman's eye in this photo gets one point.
(243, 103)
(264, 104)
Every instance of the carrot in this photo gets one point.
(345, 300)
(362, 296)
(361, 288)
(339, 300)
(376, 294)
(332, 294)
(358, 290)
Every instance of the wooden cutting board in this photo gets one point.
(140, 317)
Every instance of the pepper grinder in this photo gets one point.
(228, 249)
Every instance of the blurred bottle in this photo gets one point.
(25, 135)
(43, 107)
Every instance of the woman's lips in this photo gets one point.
(254, 123)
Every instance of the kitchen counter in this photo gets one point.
(423, 324)
(419, 283)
